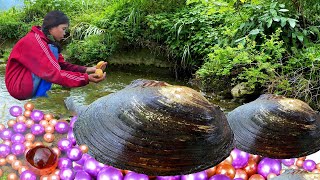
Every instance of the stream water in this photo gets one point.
(117, 78)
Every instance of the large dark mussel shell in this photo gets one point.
(155, 128)
(276, 127)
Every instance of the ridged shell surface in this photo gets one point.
(276, 127)
(154, 128)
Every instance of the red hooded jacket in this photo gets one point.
(32, 54)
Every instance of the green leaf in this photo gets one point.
(276, 19)
(294, 35)
(283, 21)
(269, 23)
(300, 37)
(282, 6)
(273, 12)
(254, 32)
(283, 10)
(292, 22)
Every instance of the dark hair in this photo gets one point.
(53, 19)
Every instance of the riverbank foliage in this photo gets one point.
(270, 46)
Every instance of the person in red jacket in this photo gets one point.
(35, 61)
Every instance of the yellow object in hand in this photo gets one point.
(99, 65)
(99, 72)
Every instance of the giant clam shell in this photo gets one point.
(276, 126)
(155, 128)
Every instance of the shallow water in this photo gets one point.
(116, 79)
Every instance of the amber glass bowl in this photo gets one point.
(41, 160)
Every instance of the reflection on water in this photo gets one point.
(116, 80)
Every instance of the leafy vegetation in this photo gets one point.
(268, 45)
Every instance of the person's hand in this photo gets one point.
(95, 77)
(93, 68)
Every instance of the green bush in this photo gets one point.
(11, 27)
(90, 50)
(253, 64)
(300, 77)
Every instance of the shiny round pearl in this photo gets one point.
(49, 129)
(36, 115)
(12, 176)
(62, 127)
(18, 138)
(37, 143)
(17, 149)
(64, 144)
(316, 171)
(21, 119)
(27, 113)
(53, 122)
(44, 123)
(4, 150)
(22, 169)
(28, 106)
(29, 123)
(6, 134)
(3, 161)
(44, 177)
(56, 151)
(28, 144)
(48, 137)
(2, 127)
(16, 165)
(19, 127)
(11, 123)
(74, 153)
(29, 137)
(84, 148)
(57, 172)
(37, 129)
(54, 177)
(48, 117)
(10, 158)
(7, 142)
(15, 111)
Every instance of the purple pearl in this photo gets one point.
(77, 168)
(64, 144)
(17, 149)
(72, 121)
(288, 162)
(6, 134)
(74, 153)
(83, 159)
(202, 175)
(177, 177)
(309, 165)
(110, 173)
(37, 129)
(19, 127)
(36, 115)
(18, 138)
(62, 127)
(220, 177)
(4, 150)
(67, 174)
(64, 163)
(70, 136)
(28, 175)
(135, 176)
(91, 167)
(15, 111)
(82, 175)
